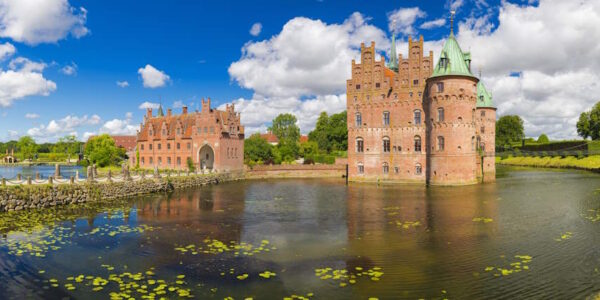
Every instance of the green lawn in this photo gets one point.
(588, 163)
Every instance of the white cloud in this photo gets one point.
(69, 69)
(152, 77)
(308, 57)
(123, 84)
(433, 23)
(128, 115)
(24, 78)
(256, 29)
(119, 127)
(403, 19)
(6, 50)
(87, 135)
(58, 128)
(556, 57)
(41, 21)
(147, 105)
(31, 116)
(178, 104)
(456, 4)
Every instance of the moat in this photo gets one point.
(534, 234)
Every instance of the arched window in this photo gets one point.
(386, 144)
(417, 117)
(418, 169)
(440, 87)
(360, 146)
(478, 143)
(386, 118)
(361, 168)
(440, 114)
(472, 143)
(482, 129)
(358, 119)
(417, 143)
(440, 143)
(386, 168)
(483, 147)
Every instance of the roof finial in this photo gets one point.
(393, 64)
(452, 13)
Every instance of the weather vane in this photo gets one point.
(452, 13)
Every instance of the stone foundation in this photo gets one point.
(21, 197)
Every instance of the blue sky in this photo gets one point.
(206, 49)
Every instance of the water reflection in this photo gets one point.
(428, 242)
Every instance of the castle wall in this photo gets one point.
(486, 131)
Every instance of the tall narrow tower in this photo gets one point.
(449, 104)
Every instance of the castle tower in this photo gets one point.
(449, 104)
(486, 133)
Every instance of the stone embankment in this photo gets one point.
(19, 197)
(295, 171)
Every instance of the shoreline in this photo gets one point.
(590, 163)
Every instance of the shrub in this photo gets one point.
(309, 161)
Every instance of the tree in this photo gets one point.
(285, 128)
(101, 150)
(589, 123)
(308, 148)
(68, 145)
(509, 129)
(331, 133)
(27, 147)
(190, 164)
(257, 149)
(543, 138)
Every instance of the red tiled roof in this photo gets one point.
(269, 137)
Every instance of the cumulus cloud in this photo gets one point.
(403, 19)
(301, 70)
(23, 78)
(41, 21)
(178, 104)
(433, 23)
(7, 50)
(147, 105)
(58, 128)
(31, 116)
(556, 58)
(152, 77)
(123, 84)
(119, 126)
(69, 69)
(256, 29)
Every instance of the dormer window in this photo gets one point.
(443, 62)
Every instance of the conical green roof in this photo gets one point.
(393, 64)
(160, 111)
(456, 62)
(484, 98)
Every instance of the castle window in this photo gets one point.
(189, 146)
(178, 131)
(483, 113)
(358, 119)
(472, 143)
(440, 87)
(395, 95)
(417, 143)
(482, 129)
(169, 161)
(179, 161)
(178, 146)
(396, 170)
(440, 143)
(386, 168)
(212, 129)
(418, 169)
(199, 130)
(205, 129)
(151, 160)
(377, 85)
(150, 146)
(481, 98)
(150, 132)
(142, 161)
(159, 161)
(164, 132)
(443, 62)
(416, 82)
(440, 114)
(478, 143)
(483, 147)
(159, 146)
(410, 94)
(142, 146)
(417, 117)
(168, 146)
(386, 118)
(358, 86)
(360, 145)
(386, 144)
(420, 94)
(361, 168)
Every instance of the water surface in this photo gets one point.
(10, 172)
(534, 234)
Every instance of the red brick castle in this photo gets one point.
(212, 139)
(411, 122)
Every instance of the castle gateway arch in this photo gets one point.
(206, 157)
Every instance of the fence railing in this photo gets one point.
(92, 176)
(563, 154)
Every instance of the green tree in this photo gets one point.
(285, 128)
(308, 148)
(68, 145)
(583, 125)
(190, 164)
(589, 123)
(288, 149)
(331, 133)
(102, 151)
(27, 146)
(543, 138)
(257, 149)
(509, 129)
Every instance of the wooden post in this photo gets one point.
(3, 181)
(50, 180)
(19, 177)
(28, 179)
(346, 174)
(72, 179)
(37, 175)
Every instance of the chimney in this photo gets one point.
(184, 110)
(169, 112)
(149, 113)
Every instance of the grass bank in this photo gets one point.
(585, 163)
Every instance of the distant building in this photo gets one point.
(273, 140)
(211, 139)
(411, 122)
(126, 142)
(10, 158)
